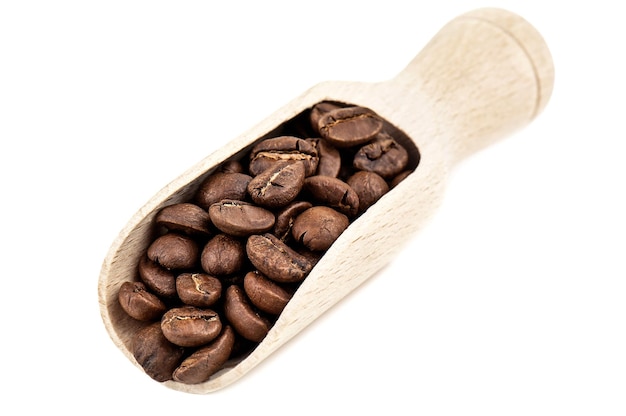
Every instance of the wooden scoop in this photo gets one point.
(484, 75)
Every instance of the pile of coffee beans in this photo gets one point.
(222, 266)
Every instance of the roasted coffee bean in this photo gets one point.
(329, 158)
(184, 217)
(399, 178)
(138, 303)
(222, 255)
(333, 192)
(159, 280)
(154, 353)
(198, 289)
(290, 148)
(220, 186)
(264, 294)
(312, 256)
(248, 323)
(384, 156)
(318, 227)
(174, 251)
(319, 110)
(206, 361)
(369, 186)
(240, 218)
(231, 279)
(286, 217)
(189, 326)
(278, 185)
(231, 166)
(277, 260)
(349, 126)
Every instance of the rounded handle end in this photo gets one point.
(531, 43)
(486, 73)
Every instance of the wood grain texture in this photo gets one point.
(484, 75)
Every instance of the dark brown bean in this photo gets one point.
(269, 151)
(184, 217)
(384, 156)
(240, 218)
(206, 361)
(399, 178)
(231, 279)
(198, 289)
(277, 260)
(189, 326)
(333, 192)
(220, 186)
(278, 185)
(266, 295)
(231, 166)
(330, 159)
(369, 186)
(286, 217)
(159, 280)
(222, 255)
(349, 126)
(138, 303)
(174, 251)
(154, 353)
(318, 227)
(312, 256)
(248, 323)
(319, 110)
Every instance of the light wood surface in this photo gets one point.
(484, 75)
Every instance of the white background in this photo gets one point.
(512, 301)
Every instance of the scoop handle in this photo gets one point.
(486, 73)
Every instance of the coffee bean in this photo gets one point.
(318, 227)
(198, 289)
(312, 256)
(231, 279)
(186, 217)
(333, 192)
(329, 158)
(159, 280)
(222, 255)
(349, 126)
(154, 353)
(270, 151)
(383, 156)
(242, 317)
(231, 166)
(277, 260)
(220, 186)
(399, 178)
(266, 295)
(242, 348)
(319, 110)
(286, 217)
(240, 218)
(369, 186)
(174, 251)
(206, 361)
(278, 185)
(138, 303)
(189, 326)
